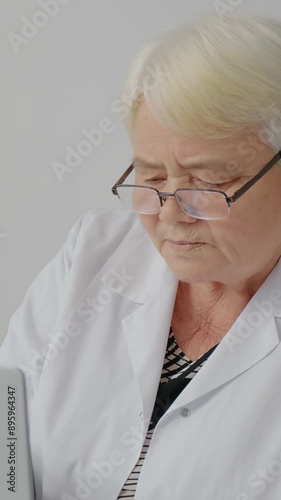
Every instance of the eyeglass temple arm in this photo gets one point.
(244, 188)
(122, 178)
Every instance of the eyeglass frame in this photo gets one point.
(229, 199)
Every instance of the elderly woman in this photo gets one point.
(150, 345)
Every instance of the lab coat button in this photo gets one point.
(141, 415)
(185, 412)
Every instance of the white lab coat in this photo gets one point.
(90, 338)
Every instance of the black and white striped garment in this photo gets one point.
(177, 372)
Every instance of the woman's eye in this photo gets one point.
(216, 185)
(153, 181)
(208, 184)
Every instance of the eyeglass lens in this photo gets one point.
(197, 203)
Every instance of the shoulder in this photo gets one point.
(101, 234)
(113, 220)
(104, 227)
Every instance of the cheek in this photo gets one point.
(244, 231)
(253, 217)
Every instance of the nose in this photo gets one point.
(171, 212)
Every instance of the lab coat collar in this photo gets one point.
(146, 267)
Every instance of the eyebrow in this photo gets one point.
(139, 162)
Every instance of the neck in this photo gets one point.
(202, 316)
(213, 302)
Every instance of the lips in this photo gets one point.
(180, 242)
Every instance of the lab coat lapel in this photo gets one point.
(146, 329)
(146, 332)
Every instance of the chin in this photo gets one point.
(185, 271)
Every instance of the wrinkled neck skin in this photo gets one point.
(211, 302)
(216, 304)
(204, 312)
(203, 315)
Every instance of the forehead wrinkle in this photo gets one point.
(139, 162)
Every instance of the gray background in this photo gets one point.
(62, 81)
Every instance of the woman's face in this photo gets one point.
(240, 250)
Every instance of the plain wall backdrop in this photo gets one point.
(62, 66)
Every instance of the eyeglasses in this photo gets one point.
(208, 204)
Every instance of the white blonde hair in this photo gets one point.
(211, 80)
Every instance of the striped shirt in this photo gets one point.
(177, 372)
